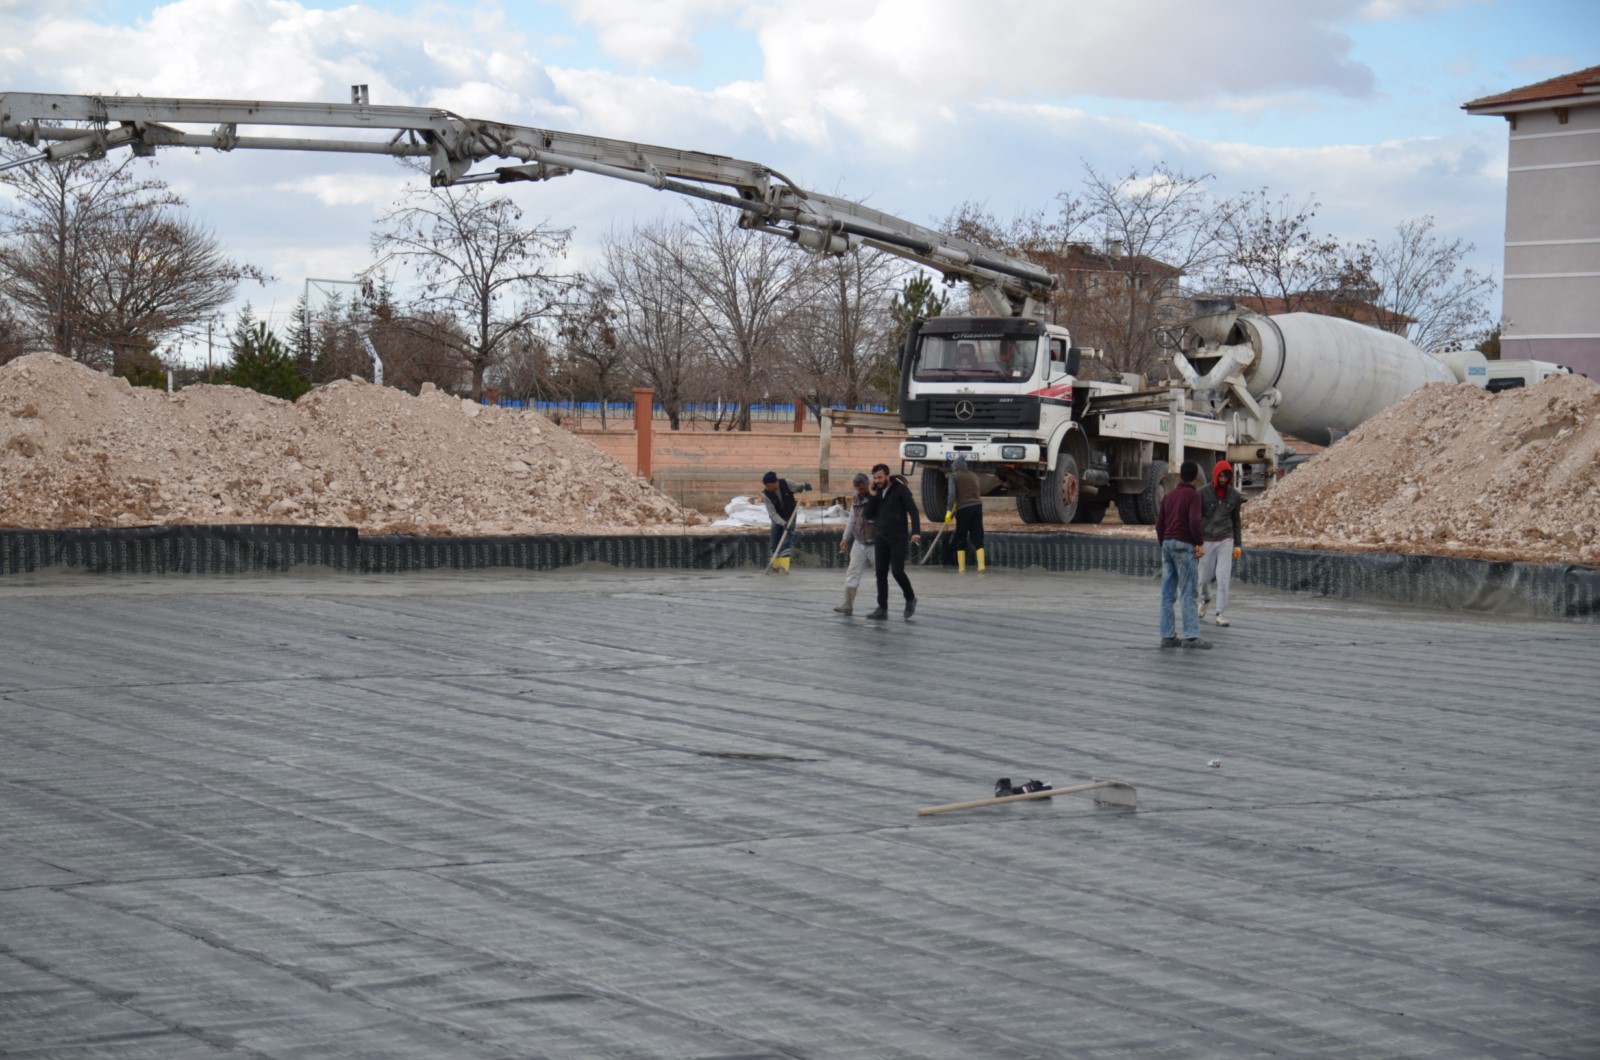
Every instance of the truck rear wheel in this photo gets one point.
(933, 495)
(1154, 490)
(1028, 509)
(1058, 498)
(1092, 513)
(1128, 508)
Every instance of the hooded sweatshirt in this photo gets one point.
(1219, 509)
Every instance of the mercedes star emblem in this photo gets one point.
(964, 410)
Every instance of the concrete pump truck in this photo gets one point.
(1004, 390)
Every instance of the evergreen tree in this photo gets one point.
(261, 362)
(301, 345)
(917, 300)
(1489, 345)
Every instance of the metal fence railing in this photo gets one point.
(623, 410)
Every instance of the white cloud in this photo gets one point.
(345, 189)
(917, 105)
(277, 49)
(650, 33)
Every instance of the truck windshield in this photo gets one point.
(976, 358)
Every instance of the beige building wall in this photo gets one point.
(1552, 259)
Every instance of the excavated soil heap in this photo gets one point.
(1453, 470)
(81, 449)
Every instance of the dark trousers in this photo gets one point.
(777, 536)
(967, 535)
(889, 557)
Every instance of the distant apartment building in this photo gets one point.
(1552, 265)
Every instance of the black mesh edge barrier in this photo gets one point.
(1442, 582)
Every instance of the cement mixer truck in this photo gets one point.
(1008, 397)
(1300, 373)
(1304, 374)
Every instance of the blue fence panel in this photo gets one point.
(624, 409)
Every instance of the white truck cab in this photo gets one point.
(1005, 393)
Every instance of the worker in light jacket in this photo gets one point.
(856, 542)
(1224, 539)
(889, 506)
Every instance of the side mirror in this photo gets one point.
(1074, 360)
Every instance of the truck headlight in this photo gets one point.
(915, 449)
(1013, 452)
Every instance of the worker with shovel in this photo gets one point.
(965, 509)
(783, 511)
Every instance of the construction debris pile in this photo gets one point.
(1453, 470)
(81, 449)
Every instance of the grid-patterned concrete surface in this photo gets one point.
(600, 814)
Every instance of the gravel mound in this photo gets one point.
(1454, 470)
(81, 449)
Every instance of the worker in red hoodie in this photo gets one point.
(1219, 524)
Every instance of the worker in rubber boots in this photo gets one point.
(1182, 538)
(965, 509)
(856, 542)
(1224, 539)
(888, 507)
(779, 495)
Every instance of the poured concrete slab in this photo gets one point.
(600, 814)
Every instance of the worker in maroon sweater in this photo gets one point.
(1182, 538)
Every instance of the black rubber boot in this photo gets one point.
(911, 606)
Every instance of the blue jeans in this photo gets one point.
(777, 536)
(1178, 585)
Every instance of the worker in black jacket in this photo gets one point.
(888, 508)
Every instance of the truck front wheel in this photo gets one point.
(934, 494)
(1028, 509)
(1058, 499)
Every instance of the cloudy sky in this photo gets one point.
(913, 106)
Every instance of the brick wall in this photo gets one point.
(704, 469)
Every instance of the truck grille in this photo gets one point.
(983, 412)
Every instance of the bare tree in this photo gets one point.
(1119, 250)
(1420, 280)
(153, 273)
(838, 338)
(742, 287)
(474, 260)
(589, 341)
(655, 310)
(13, 336)
(100, 264)
(523, 371)
(419, 348)
(1153, 229)
(1273, 257)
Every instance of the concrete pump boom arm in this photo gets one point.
(65, 126)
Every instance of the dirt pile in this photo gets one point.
(78, 449)
(1454, 470)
